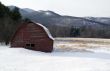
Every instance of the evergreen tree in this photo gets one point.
(9, 21)
(15, 14)
(75, 32)
(2, 10)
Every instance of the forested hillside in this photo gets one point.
(70, 26)
(9, 20)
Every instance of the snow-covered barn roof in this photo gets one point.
(46, 30)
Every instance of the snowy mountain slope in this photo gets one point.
(105, 20)
(50, 17)
(28, 10)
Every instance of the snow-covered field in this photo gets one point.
(67, 56)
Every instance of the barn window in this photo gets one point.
(30, 46)
(27, 45)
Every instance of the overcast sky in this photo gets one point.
(78, 8)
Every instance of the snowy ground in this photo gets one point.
(88, 58)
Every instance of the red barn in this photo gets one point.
(33, 36)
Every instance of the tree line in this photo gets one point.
(90, 32)
(82, 32)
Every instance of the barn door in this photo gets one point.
(30, 46)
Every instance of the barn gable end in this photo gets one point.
(33, 36)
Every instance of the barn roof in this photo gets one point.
(46, 30)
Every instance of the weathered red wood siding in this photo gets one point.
(34, 34)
